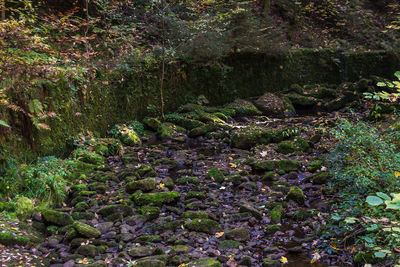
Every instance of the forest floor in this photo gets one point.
(207, 200)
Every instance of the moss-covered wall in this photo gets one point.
(121, 96)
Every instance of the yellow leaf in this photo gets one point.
(218, 235)
(397, 174)
(284, 260)
(182, 265)
(161, 186)
(233, 165)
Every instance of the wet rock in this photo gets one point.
(296, 194)
(247, 207)
(295, 250)
(152, 261)
(9, 239)
(205, 262)
(150, 212)
(86, 230)
(203, 225)
(148, 239)
(88, 250)
(156, 199)
(195, 215)
(104, 227)
(320, 178)
(247, 137)
(195, 194)
(270, 262)
(203, 130)
(245, 261)
(56, 218)
(270, 104)
(145, 185)
(188, 180)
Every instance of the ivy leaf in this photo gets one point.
(383, 195)
(380, 254)
(381, 84)
(374, 201)
(397, 74)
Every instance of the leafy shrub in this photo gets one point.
(364, 160)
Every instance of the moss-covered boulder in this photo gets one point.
(243, 108)
(152, 123)
(188, 180)
(203, 225)
(320, 178)
(143, 239)
(126, 133)
(195, 194)
(24, 208)
(247, 207)
(270, 104)
(296, 194)
(183, 121)
(216, 175)
(272, 229)
(302, 101)
(86, 230)
(202, 130)
(141, 251)
(237, 234)
(152, 261)
(88, 157)
(250, 136)
(205, 262)
(301, 215)
(150, 212)
(314, 165)
(168, 130)
(144, 185)
(156, 199)
(284, 165)
(144, 171)
(53, 217)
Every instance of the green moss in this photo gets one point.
(145, 185)
(243, 108)
(250, 136)
(202, 130)
(155, 198)
(301, 215)
(366, 258)
(302, 101)
(314, 165)
(144, 171)
(24, 208)
(86, 230)
(167, 130)
(216, 175)
(150, 212)
(203, 225)
(183, 121)
(148, 239)
(188, 180)
(286, 147)
(227, 244)
(320, 178)
(88, 157)
(88, 251)
(10, 239)
(269, 176)
(284, 165)
(56, 218)
(152, 123)
(276, 216)
(195, 194)
(272, 229)
(296, 194)
(107, 210)
(205, 262)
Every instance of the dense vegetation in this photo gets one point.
(141, 122)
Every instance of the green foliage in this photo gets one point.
(393, 92)
(364, 160)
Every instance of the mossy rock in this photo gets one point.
(144, 171)
(52, 217)
(284, 165)
(148, 239)
(144, 185)
(269, 176)
(86, 230)
(152, 123)
(270, 104)
(286, 147)
(247, 207)
(245, 138)
(216, 175)
(88, 250)
(127, 134)
(276, 216)
(301, 215)
(152, 261)
(150, 212)
(181, 120)
(107, 210)
(188, 180)
(203, 225)
(272, 229)
(302, 101)
(202, 130)
(296, 88)
(320, 178)
(141, 251)
(168, 130)
(237, 234)
(243, 108)
(195, 215)
(195, 194)
(82, 216)
(24, 208)
(227, 244)
(88, 157)
(314, 165)
(205, 262)
(157, 199)
(10, 239)
(296, 194)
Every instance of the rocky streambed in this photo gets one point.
(228, 190)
